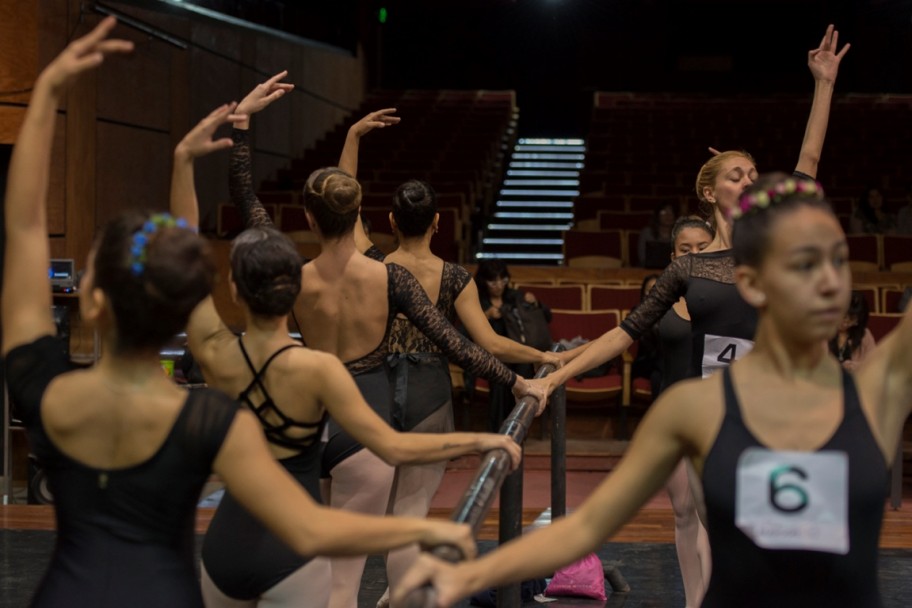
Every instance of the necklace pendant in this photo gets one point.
(102, 480)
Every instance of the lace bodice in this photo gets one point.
(406, 338)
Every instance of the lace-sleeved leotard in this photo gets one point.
(242, 558)
(723, 323)
(121, 540)
(404, 295)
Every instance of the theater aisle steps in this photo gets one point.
(535, 203)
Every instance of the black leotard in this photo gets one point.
(676, 346)
(125, 537)
(241, 556)
(421, 374)
(744, 574)
(723, 323)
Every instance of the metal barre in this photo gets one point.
(477, 499)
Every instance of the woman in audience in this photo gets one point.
(290, 389)
(870, 216)
(347, 306)
(854, 341)
(127, 452)
(658, 230)
(792, 449)
(497, 299)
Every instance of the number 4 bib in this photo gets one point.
(722, 351)
(793, 500)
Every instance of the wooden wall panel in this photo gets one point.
(56, 203)
(133, 170)
(18, 47)
(10, 121)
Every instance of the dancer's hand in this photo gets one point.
(550, 358)
(261, 96)
(427, 569)
(374, 120)
(533, 389)
(82, 55)
(198, 142)
(448, 533)
(496, 441)
(824, 60)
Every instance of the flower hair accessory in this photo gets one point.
(771, 196)
(142, 237)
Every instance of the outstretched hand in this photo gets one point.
(428, 570)
(824, 60)
(264, 94)
(198, 142)
(374, 120)
(82, 55)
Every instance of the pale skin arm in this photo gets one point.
(658, 445)
(606, 347)
(261, 97)
(380, 119)
(344, 402)
(26, 292)
(885, 384)
(271, 495)
(468, 307)
(205, 330)
(824, 65)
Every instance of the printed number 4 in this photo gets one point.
(728, 355)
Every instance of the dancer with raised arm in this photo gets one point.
(792, 449)
(346, 307)
(127, 452)
(291, 389)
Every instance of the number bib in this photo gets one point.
(794, 500)
(722, 351)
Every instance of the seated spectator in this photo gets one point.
(658, 230)
(854, 340)
(870, 217)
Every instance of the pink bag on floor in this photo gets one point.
(584, 578)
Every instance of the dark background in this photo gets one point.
(556, 53)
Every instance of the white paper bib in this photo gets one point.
(722, 351)
(794, 500)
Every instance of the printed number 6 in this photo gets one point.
(776, 490)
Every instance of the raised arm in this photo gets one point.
(348, 162)
(240, 173)
(824, 65)
(271, 495)
(468, 307)
(26, 304)
(205, 324)
(339, 393)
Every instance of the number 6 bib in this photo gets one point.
(793, 500)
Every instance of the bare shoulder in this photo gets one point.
(695, 407)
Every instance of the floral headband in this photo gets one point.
(782, 189)
(142, 237)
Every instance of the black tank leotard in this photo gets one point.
(121, 540)
(747, 575)
(676, 347)
(241, 556)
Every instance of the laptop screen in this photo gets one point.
(62, 273)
